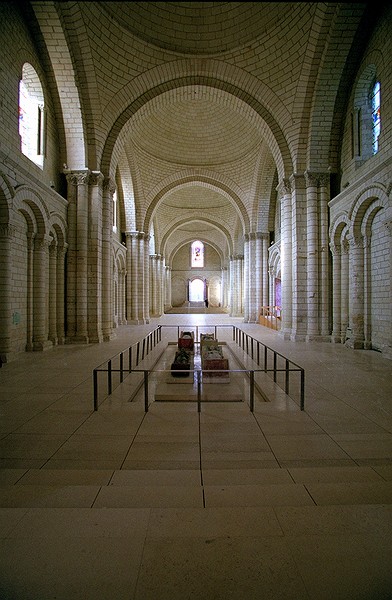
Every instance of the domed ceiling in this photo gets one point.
(195, 126)
(198, 27)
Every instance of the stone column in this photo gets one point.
(356, 293)
(312, 256)
(367, 285)
(284, 191)
(123, 277)
(237, 286)
(299, 258)
(100, 269)
(231, 290)
(247, 279)
(272, 288)
(53, 292)
(234, 308)
(41, 293)
(106, 188)
(161, 289)
(324, 273)
(146, 278)
(387, 348)
(77, 284)
(7, 232)
(168, 298)
(344, 287)
(132, 277)
(60, 294)
(143, 278)
(337, 294)
(264, 269)
(30, 292)
(153, 284)
(252, 271)
(224, 287)
(82, 258)
(71, 256)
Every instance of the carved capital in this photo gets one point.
(109, 185)
(284, 188)
(7, 230)
(78, 177)
(96, 178)
(335, 250)
(311, 179)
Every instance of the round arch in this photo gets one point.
(271, 130)
(219, 186)
(189, 240)
(179, 224)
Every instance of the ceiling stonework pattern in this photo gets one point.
(196, 109)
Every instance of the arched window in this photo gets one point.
(376, 115)
(31, 116)
(366, 115)
(197, 254)
(114, 216)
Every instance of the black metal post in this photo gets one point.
(109, 377)
(145, 391)
(287, 387)
(251, 390)
(95, 385)
(198, 374)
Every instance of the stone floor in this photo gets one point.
(176, 504)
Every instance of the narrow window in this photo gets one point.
(197, 254)
(114, 207)
(32, 126)
(376, 115)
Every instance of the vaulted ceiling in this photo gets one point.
(197, 109)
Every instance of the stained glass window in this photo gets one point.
(197, 256)
(376, 115)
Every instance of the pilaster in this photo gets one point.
(7, 232)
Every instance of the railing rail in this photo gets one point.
(133, 355)
(252, 347)
(262, 355)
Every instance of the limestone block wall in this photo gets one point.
(361, 215)
(181, 273)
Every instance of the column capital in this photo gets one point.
(53, 247)
(81, 177)
(388, 225)
(109, 185)
(315, 179)
(96, 178)
(311, 179)
(284, 187)
(43, 241)
(7, 230)
(335, 250)
(355, 241)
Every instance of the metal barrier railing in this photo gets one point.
(132, 355)
(258, 352)
(252, 347)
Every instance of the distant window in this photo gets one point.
(115, 211)
(376, 115)
(197, 256)
(31, 116)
